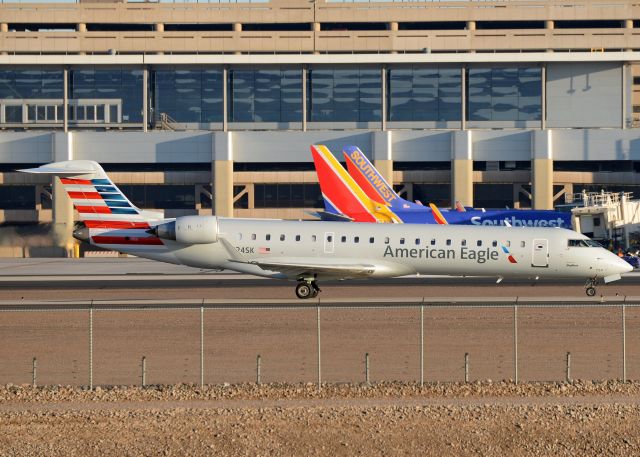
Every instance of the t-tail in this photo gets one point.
(372, 182)
(342, 195)
(107, 217)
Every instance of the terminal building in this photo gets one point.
(194, 108)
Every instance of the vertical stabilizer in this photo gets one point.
(342, 194)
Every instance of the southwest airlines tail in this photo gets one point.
(108, 217)
(342, 195)
(371, 181)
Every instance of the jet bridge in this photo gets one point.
(606, 215)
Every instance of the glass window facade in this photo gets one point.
(31, 84)
(504, 94)
(120, 84)
(344, 94)
(287, 196)
(188, 95)
(269, 95)
(158, 196)
(424, 94)
(17, 197)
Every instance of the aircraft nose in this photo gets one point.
(624, 266)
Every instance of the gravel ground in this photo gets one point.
(581, 418)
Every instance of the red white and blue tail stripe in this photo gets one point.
(113, 221)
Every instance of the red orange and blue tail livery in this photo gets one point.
(342, 195)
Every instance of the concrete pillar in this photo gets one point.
(237, 27)
(542, 170)
(471, 25)
(549, 25)
(65, 99)
(628, 23)
(4, 28)
(159, 27)
(382, 154)
(315, 28)
(393, 26)
(62, 144)
(145, 99)
(462, 167)
(305, 74)
(222, 173)
(81, 27)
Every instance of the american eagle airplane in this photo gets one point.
(310, 251)
(373, 184)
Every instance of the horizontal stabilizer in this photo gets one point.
(68, 168)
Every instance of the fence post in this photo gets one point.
(258, 368)
(515, 342)
(466, 367)
(202, 344)
(366, 368)
(568, 367)
(91, 346)
(624, 343)
(144, 371)
(319, 352)
(34, 372)
(422, 343)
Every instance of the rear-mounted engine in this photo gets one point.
(189, 230)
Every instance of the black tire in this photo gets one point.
(315, 293)
(304, 291)
(591, 291)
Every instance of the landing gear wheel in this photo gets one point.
(315, 293)
(591, 291)
(304, 290)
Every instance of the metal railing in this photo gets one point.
(413, 340)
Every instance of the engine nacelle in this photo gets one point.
(190, 230)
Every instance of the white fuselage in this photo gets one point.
(392, 250)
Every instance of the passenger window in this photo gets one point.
(297, 237)
(281, 237)
(418, 241)
(386, 240)
(401, 240)
(343, 239)
(479, 243)
(507, 243)
(268, 237)
(494, 243)
(371, 240)
(253, 236)
(329, 238)
(433, 242)
(356, 239)
(522, 244)
(448, 242)
(314, 238)
(464, 242)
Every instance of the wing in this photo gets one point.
(302, 270)
(292, 268)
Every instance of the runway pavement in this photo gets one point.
(286, 337)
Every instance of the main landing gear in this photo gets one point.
(590, 287)
(307, 288)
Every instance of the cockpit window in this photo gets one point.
(583, 243)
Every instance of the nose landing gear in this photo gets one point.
(590, 287)
(307, 288)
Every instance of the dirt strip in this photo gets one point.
(488, 419)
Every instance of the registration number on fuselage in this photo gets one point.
(246, 249)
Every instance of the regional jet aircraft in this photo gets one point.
(364, 175)
(311, 251)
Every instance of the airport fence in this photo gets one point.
(328, 341)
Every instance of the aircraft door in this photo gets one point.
(540, 254)
(328, 242)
